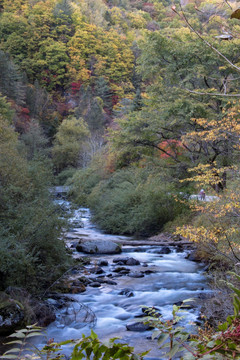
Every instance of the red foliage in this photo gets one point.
(233, 334)
(75, 86)
(115, 99)
(148, 4)
(172, 147)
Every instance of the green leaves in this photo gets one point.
(91, 348)
(70, 139)
(22, 337)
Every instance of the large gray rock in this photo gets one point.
(98, 247)
(11, 317)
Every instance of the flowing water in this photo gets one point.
(167, 279)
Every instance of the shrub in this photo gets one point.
(133, 201)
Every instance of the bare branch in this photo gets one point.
(210, 94)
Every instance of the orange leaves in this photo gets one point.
(171, 147)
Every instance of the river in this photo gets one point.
(166, 279)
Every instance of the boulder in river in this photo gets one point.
(77, 287)
(165, 250)
(127, 292)
(121, 260)
(132, 262)
(95, 284)
(96, 270)
(138, 326)
(126, 261)
(98, 247)
(103, 263)
(136, 275)
(120, 269)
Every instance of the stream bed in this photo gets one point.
(161, 277)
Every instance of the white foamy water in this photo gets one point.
(170, 278)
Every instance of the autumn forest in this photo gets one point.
(134, 106)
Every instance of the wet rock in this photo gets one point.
(124, 272)
(96, 270)
(84, 280)
(95, 284)
(45, 314)
(138, 326)
(11, 316)
(126, 292)
(179, 248)
(73, 245)
(98, 247)
(148, 272)
(120, 269)
(61, 299)
(136, 275)
(110, 282)
(82, 260)
(101, 281)
(103, 263)
(187, 305)
(126, 261)
(193, 256)
(165, 250)
(132, 262)
(52, 302)
(77, 288)
(122, 259)
(70, 287)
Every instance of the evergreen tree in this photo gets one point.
(103, 90)
(137, 101)
(63, 10)
(11, 81)
(94, 115)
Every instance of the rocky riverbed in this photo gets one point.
(116, 276)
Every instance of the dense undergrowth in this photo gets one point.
(131, 201)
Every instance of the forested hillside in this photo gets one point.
(135, 106)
